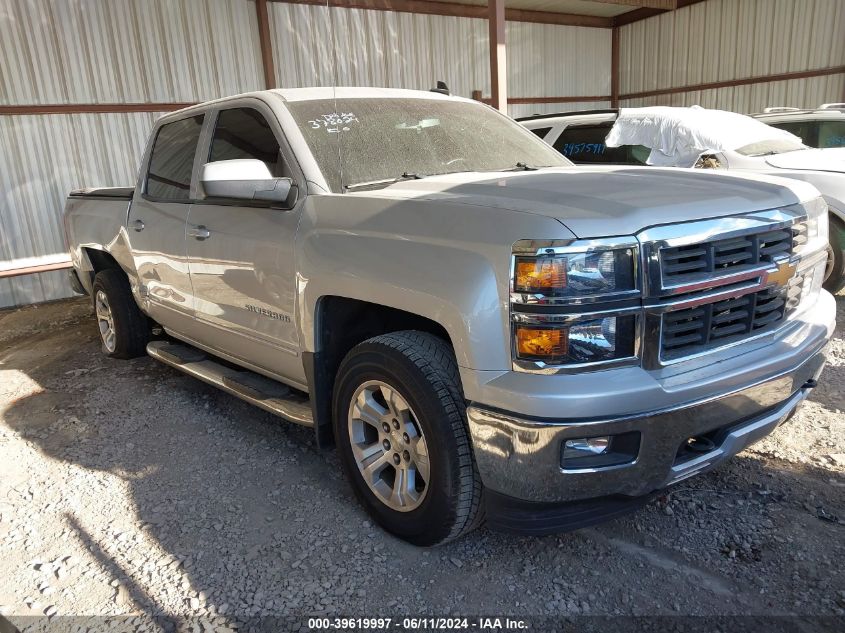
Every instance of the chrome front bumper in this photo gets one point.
(521, 458)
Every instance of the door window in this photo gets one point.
(244, 133)
(172, 160)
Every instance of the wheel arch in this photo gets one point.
(92, 261)
(340, 323)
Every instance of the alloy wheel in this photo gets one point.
(388, 446)
(105, 321)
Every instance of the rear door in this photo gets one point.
(241, 256)
(157, 218)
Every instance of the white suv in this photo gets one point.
(822, 127)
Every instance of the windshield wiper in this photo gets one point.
(521, 167)
(384, 182)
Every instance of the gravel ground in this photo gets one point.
(127, 488)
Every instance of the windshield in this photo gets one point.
(766, 148)
(379, 140)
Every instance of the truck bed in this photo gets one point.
(94, 217)
(110, 193)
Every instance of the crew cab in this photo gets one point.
(483, 330)
(705, 138)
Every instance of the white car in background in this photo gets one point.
(704, 138)
(822, 127)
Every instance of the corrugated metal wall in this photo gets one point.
(546, 60)
(99, 51)
(378, 48)
(722, 40)
(797, 93)
(43, 158)
(116, 51)
(404, 50)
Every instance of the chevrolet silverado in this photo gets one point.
(483, 330)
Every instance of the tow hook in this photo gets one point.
(700, 445)
(811, 384)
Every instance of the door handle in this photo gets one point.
(138, 225)
(199, 232)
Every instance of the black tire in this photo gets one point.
(422, 368)
(131, 326)
(836, 271)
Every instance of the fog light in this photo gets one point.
(594, 453)
(586, 446)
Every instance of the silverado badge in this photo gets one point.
(780, 277)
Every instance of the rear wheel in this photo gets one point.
(124, 329)
(834, 274)
(399, 426)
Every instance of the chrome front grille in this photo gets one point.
(799, 236)
(714, 283)
(692, 330)
(691, 263)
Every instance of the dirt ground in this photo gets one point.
(127, 488)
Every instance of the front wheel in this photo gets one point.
(834, 274)
(399, 423)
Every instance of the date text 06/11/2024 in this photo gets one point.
(417, 624)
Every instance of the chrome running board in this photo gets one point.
(263, 392)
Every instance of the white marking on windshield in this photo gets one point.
(334, 122)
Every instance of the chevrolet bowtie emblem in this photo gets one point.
(782, 275)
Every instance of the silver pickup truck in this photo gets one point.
(483, 330)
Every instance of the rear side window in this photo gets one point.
(585, 144)
(541, 131)
(172, 160)
(245, 133)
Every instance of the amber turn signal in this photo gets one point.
(545, 343)
(539, 274)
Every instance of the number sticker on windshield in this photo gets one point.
(334, 122)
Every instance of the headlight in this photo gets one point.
(552, 284)
(817, 227)
(598, 271)
(589, 340)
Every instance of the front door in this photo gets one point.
(157, 220)
(241, 257)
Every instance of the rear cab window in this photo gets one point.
(172, 160)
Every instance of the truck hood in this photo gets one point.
(831, 159)
(607, 200)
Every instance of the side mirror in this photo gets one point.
(246, 179)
